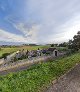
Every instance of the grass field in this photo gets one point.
(13, 49)
(38, 76)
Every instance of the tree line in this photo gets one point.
(73, 44)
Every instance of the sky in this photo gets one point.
(38, 21)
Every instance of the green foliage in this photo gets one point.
(0, 49)
(75, 43)
(62, 48)
(52, 45)
(38, 76)
(16, 48)
(5, 55)
(64, 44)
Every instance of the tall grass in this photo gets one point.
(38, 76)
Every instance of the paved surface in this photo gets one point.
(68, 83)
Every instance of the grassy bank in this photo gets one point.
(37, 77)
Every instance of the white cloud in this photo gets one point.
(30, 33)
(32, 30)
(68, 30)
(10, 37)
(72, 27)
(28, 30)
(56, 21)
(53, 15)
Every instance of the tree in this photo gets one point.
(75, 43)
(52, 45)
(64, 44)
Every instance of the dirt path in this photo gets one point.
(68, 83)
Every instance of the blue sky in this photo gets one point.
(38, 21)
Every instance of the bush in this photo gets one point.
(5, 55)
(0, 49)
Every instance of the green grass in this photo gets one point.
(13, 49)
(38, 76)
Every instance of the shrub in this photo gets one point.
(5, 55)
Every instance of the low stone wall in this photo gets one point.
(7, 67)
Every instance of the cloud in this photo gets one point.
(54, 20)
(53, 15)
(68, 30)
(28, 32)
(10, 37)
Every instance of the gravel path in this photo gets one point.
(68, 83)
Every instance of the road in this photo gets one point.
(70, 82)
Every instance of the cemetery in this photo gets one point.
(25, 54)
(21, 57)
